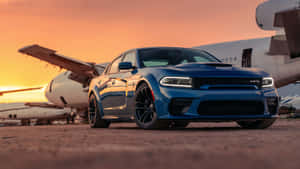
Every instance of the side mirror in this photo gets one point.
(125, 66)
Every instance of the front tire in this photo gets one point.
(258, 124)
(94, 116)
(145, 113)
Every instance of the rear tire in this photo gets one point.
(94, 116)
(145, 114)
(258, 124)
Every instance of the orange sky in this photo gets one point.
(98, 30)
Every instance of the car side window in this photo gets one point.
(130, 57)
(114, 68)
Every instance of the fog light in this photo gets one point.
(272, 103)
(179, 106)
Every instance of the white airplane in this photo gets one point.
(12, 112)
(25, 114)
(70, 88)
(290, 104)
(278, 55)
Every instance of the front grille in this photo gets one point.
(233, 107)
(198, 82)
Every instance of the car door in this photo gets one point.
(113, 94)
(129, 77)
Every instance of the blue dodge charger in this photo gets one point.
(169, 87)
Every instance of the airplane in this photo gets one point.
(290, 104)
(70, 88)
(14, 112)
(278, 55)
(25, 114)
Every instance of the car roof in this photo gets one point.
(159, 47)
(162, 47)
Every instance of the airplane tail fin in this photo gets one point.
(290, 21)
(278, 15)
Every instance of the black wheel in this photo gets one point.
(94, 117)
(179, 124)
(258, 124)
(145, 113)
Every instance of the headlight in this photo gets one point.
(267, 82)
(177, 82)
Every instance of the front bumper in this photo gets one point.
(191, 99)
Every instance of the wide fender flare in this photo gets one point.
(160, 99)
(96, 91)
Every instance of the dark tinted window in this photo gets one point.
(114, 68)
(173, 56)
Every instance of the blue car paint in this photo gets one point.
(163, 95)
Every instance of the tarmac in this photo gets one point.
(123, 145)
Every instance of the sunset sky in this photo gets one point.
(98, 30)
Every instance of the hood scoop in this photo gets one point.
(218, 64)
(203, 65)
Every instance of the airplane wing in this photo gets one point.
(43, 105)
(18, 90)
(82, 72)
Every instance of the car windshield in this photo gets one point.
(153, 57)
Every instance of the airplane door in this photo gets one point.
(247, 57)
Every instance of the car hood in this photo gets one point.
(208, 70)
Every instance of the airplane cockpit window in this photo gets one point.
(50, 86)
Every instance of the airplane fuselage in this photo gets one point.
(19, 112)
(65, 92)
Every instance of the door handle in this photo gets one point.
(113, 82)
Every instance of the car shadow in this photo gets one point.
(188, 129)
